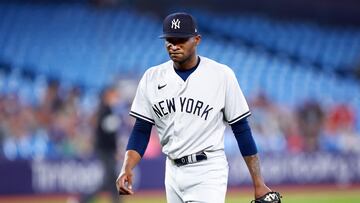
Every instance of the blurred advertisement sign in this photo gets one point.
(66, 176)
(74, 176)
(314, 168)
(60, 176)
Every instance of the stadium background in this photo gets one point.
(298, 63)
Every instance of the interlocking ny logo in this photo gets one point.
(175, 24)
(271, 197)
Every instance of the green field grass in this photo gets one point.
(293, 195)
(341, 196)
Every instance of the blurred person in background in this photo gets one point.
(107, 124)
(340, 129)
(266, 126)
(311, 122)
(340, 119)
(275, 127)
(19, 126)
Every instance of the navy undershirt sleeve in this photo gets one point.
(140, 136)
(244, 137)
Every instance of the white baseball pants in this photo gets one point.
(201, 182)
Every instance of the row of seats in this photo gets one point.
(77, 43)
(83, 45)
(332, 47)
(285, 81)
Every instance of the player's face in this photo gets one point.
(182, 49)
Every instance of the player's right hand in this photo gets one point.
(124, 183)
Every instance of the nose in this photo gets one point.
(172, 46)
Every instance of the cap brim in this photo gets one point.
(176, 35)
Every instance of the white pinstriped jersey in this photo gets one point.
(190, 116)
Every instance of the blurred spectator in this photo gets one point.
(290, 127)
(265, 124)
(21, 137)
(55, 128)
(341, 119)
(340, 131)
(107, 124)
(311, 118)
(58, 126)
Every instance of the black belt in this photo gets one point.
(193, 158)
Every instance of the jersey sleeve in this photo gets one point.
(236, 107)
(140, 107)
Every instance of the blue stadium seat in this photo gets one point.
(82, 45)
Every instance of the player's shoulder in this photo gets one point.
(158, 69)
(215, 66)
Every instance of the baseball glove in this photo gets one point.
(270, 197)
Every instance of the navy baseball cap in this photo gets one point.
(179, 25)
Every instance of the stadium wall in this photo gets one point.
(83, 176)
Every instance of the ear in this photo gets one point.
(197, 39)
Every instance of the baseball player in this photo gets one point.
(190, 99)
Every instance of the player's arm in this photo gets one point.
(253, 165)
(138, 141)
(124, 181)
(248, 150)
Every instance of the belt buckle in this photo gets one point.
(201, 156)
